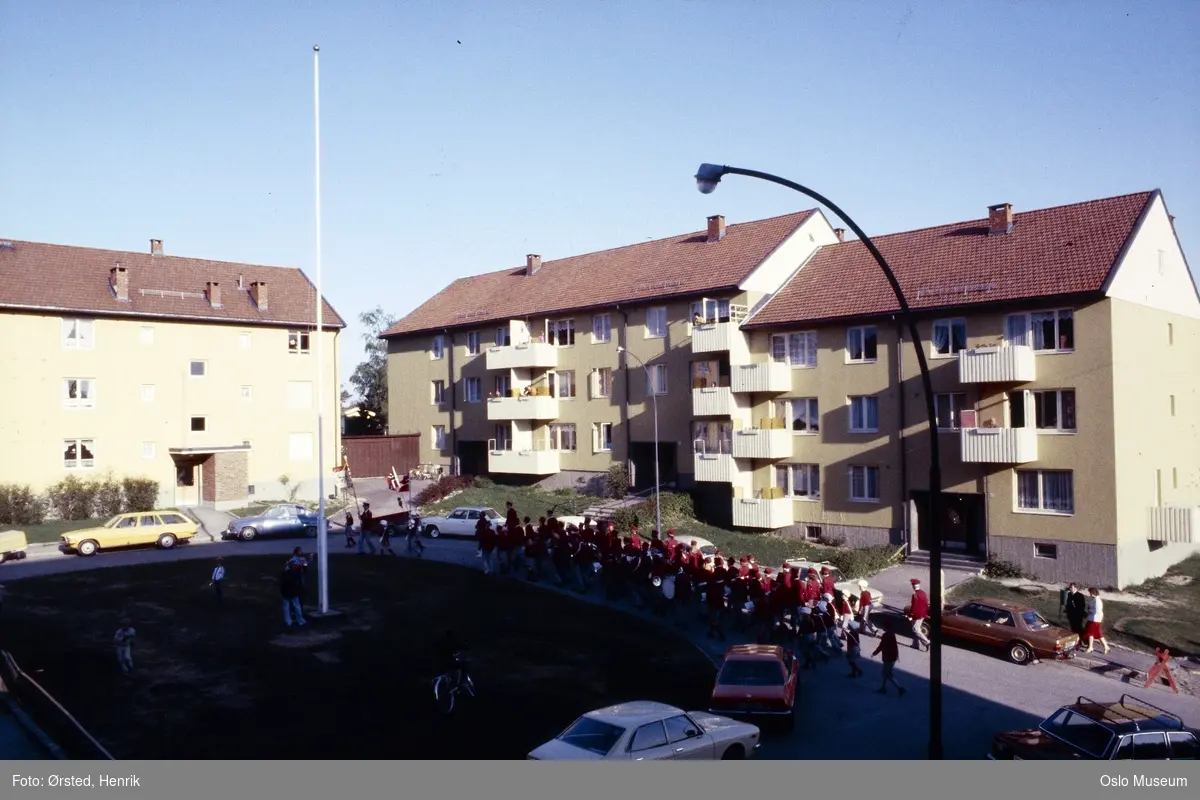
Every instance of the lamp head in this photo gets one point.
(708, 176)
(620, 349)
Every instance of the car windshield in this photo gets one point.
(1034, 621)
(112, 523)
(751, 673)
(592, 735)
(491, 514)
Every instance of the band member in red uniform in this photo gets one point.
(511, 519)
(918, 614)
(827, 586)
(487, 548)
(812, 587)
(671, 544)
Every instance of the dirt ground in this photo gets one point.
(229, 682)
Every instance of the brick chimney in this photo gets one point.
(1000, 219)
(119, 281)
(533, 263)
(214, 294)
(716, 228)
(156, 247)
(840, 233)
(258, 293)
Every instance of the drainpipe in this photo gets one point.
(625, 380)
(905, 503)
(453, 401)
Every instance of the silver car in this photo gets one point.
(459, 522)
(286, 519)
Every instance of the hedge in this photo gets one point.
(19, 505)
(440, 490)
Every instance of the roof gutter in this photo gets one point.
(625, 370)
(190, 317)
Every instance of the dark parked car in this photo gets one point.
(286, 519)
(1091, 731)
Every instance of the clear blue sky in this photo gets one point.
(563, 128)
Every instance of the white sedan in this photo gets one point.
(648, 731)
(847, 587)
(459, 522)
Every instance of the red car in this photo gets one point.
(757, 680)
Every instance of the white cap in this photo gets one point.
(862, 584)
(827, 596)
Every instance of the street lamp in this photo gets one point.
(707, 178)
(657, 482)
(322, 523)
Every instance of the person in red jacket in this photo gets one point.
(890, 649)
(827, 582)
(504, 548)
(481, 524)
(865, 598)
(487, 547)
(918, 613)
(812, 587)
(671, 544)
(511, 520)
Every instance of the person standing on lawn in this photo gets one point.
(918, 613)
(123, 642)
(1075, 606)
(290, 587)
(1095, 616)
(890, 649)
(218, 579)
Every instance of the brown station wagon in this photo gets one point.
(1091, 731)
(1020, 631)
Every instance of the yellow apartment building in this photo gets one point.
(198, 374)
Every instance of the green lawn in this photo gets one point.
(1172, 622)
(229, 682)
(51, 531)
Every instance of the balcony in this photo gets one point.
(1173, 524)
(999, 445)
(765, 443)
(506, 409)
(764, 376)
(713, 401)
(763, 513)
(1011, 364)
(713, 464)
(531, 355)
(504, 460)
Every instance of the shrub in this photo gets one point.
(562, 491)
(484, 483)
(1000, 568)
(440, 490)
(72, 498)
(863, 561)
(107, 500)
(616, 481)
(20, 506)
(677, 509)
(831, 540)
(140, 494)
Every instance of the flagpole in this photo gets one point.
(322, 523)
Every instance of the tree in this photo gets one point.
(370, 377)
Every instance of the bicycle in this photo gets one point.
(447, 686)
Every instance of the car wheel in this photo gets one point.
(734, 753)
(925, 629)
(248, 534)
(1019, 653)
(87, 548)
(310, 531)
(167, 541)
(432, 532)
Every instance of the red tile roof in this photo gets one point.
(1049, 252)
(61, 277)
(683, 265)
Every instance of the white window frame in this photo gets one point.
(146, 335)
(601, 328)
(1037, 395)
(148, 392)
(303, 342)
(598, 437)
(1041, 492)
(656, 380)
(556, 381)
(192, 418)
(559, 329)
(657, 324)
(598, 388)
(437, 348)
(861, 331)
(437, 392)
(806, 474)
(80, 401)
(244, 340)
(503, 336)
(710, 309)
(867, 402)
(798, 350)
(149, 449)
(1019, 330)
(298, 436)
(246, 393)
(474, 343)
(472, 396)
(952, 348)
(502, 384)
(78, 333)
(869, 474)
(192, 368)
(437, 437)
(78, 463)
(812, 412)
(560, 432)
(958, 403)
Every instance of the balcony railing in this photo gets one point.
(534, 407)
(530, 355)
(1008, 364)
(713, 461)
(713, 401)
(763, 376)
(764, 513)
(762, 443)
(1173, 524)
(999, 445)
(721, 335)
(536, 460)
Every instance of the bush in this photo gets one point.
(440, 490)
(484, 483)
(616, 481)
(140, 494)
(72, 498)
(677, 509)
(831, 540)
(861, 562)
(1000, 568)
(107, 500)
(20, 506)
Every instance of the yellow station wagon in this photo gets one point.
(162, 528)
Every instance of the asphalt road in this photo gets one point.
(841, 718)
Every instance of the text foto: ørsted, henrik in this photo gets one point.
(77, 781)
(1142, 780)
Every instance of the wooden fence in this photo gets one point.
(375, 456)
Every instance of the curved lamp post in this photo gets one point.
(707, 178)
(657, 482)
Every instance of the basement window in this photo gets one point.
(1042, 550)
(812, 532)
